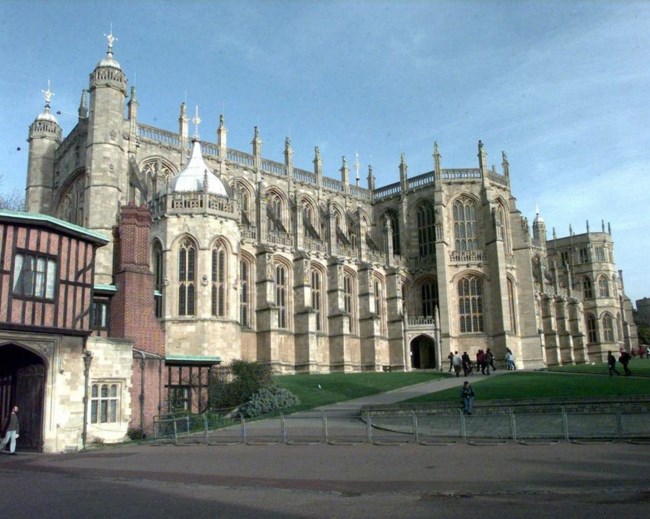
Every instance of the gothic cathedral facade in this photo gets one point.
(242, 257)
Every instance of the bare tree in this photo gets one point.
(14, 200)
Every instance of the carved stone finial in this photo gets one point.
(221, 121)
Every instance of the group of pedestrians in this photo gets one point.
(624, 359)
(484, 361)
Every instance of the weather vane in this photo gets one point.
(47, 94)
(196, 120)
(357, 165)
(111, 39)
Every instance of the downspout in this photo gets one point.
(87, 357)
(142, 366)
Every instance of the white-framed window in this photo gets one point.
(99, 315)
(105, 402)
(34, 276)
(584, 254)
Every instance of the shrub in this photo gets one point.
(268, 400)
(135, 433)
(238, 384)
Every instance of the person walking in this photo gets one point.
(467, 364)
(12, 432)
(467, 394)
(451, 363)
(456, 362)
(611, 364)
(510, 360)
(489, 359)
(625, 360)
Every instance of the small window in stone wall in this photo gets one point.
(105, 403)
(99, 315)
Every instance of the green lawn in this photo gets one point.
(638, 367)
(521, 385)
(318, 390)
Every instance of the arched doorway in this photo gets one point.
(22, 383)
(423, 352)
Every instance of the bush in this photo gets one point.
(237, 385)
(268, 400)
(135, 433)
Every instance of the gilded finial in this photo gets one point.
(111, 39)
(196, 121)
(47, 94)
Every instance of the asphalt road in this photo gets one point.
(325, 481)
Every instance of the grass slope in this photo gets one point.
(638, 367)
(318, 390)
(522, 385)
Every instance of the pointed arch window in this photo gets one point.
(592, 328)
(159, 276)
(470, 300)
(512, 306)
(316, 297)
(379, 304)
(608, 328)
(244, 205)
(502, 227)
(274, 211)
(219, 276)
(603, 287)
(394, 225)
(426, 230)
(465, 225)
(186, 278)
(349, 301)
(244, 293)
(281, 295)
(429, 297)
(587, 288)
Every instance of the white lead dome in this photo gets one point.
(192, 178)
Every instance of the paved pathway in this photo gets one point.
(405, 393)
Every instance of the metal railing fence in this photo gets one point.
(487, 425)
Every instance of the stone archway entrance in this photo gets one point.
(22, 383)
(423, 352)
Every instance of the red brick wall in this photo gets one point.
(133, 306)
(133, 313)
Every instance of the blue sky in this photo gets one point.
(561, 86)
